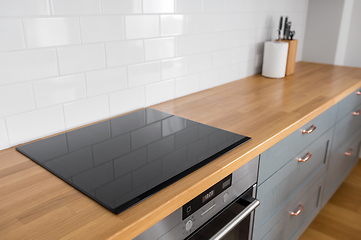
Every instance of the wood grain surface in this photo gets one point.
(341, 217)
(34, 204)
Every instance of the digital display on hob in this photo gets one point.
(121, 161)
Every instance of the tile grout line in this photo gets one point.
(7, 132)
(24, 35)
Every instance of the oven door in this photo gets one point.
(234, 222)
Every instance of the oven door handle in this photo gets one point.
(237, 219)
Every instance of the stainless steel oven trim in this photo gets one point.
(235, 221)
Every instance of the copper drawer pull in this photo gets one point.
(311, 129)
(349, 152)
(357, 112)
(298, 212)
(358, 93)
(305, 158)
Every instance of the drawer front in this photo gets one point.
(347, 104)
(278, 155)
(346, 127)
(340, 161)
(275, 193)
(289, 225)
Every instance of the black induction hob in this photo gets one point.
(122, 161)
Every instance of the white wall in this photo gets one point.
(353, 50)
(322, 30)
(65, 63)
(333, 32)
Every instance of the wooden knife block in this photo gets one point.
(291, 57)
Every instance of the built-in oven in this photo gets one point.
(234, 222)
(224, 211)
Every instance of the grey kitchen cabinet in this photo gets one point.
(282, 190)
(278, 155)
(341, 163)
(292, 227)
(285, 184)
(346, 144)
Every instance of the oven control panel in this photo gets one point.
(205, 197)
(187, 219)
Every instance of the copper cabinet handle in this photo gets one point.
(311, 129)
(357, 112)
(298, 211)
(358, 92)
(305, 158)
(349, 152)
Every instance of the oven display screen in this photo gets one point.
(226, 183)
(207, 196)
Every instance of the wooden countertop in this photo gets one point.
(34, 204)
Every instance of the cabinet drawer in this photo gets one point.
(347, 104)
(289, 225)
(346, 127)
(275, 193)
(340, 163)
(278, 155)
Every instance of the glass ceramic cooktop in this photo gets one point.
(124, 160)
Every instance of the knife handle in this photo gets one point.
(281, 22)
(285, 28)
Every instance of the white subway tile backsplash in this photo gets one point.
(230, 73)
(32, 125)
(122, 7)
(159, 48)
(188, 44)
(211, 6)
(222, 58)
(173, 25)
(188, 6)
(233, 39)
(145, 26)
(75, 7)
(240, 54)
(159, 92)
(46, 32)
(81, 58)
(24, 7)
(143, 74)
(59, 90)
(176, 67)
(121, 53)
(200, 63)
(27, 65)
(86, 111)
(249, 37)
(12, 37)
(187, 85)
(102, 28)
(16, 98)
(246, 21)
(233, 5)
(127, 100)
(4, 141)
(158, 6)
(210, 79)
(223, 22)
(212, 42)
(106, 81)
(199, 23)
